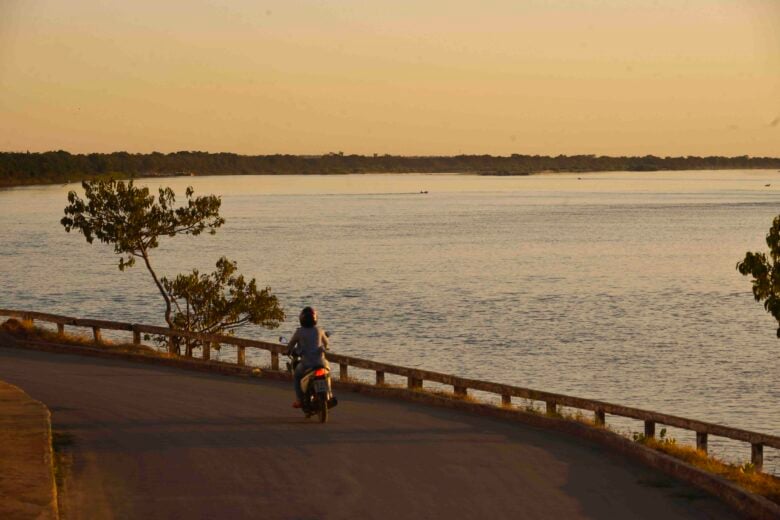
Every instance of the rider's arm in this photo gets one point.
(292, 343)
(324, 340)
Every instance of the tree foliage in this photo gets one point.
(133, 220)
(765, 270)
(221, 301)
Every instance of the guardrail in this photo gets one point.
(415, 378)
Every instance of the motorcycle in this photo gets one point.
(318, 396)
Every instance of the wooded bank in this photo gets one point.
(52, 167)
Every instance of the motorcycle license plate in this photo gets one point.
(320, 385)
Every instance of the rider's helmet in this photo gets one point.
(308, 317)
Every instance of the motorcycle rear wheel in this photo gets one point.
(323, 411)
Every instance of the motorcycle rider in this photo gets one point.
(310, 342)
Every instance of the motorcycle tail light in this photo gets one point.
(320, 372)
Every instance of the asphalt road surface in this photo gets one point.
(151, 442)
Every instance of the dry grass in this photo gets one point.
(745, 475)
(25, 330)
(420, 390)
(443, 393)
(580, 417)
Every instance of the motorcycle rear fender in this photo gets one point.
(310, 376)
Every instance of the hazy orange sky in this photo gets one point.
(664, 77)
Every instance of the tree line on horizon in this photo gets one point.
(18, 168)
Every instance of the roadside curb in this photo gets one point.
(27, 485)
(741, 500)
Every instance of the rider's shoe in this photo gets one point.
(296, 404)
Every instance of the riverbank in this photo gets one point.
(17, 169)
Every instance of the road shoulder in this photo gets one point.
(27, 488)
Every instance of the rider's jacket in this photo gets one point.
(310, 343)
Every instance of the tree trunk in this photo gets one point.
(173, 346)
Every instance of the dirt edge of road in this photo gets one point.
(27, 483)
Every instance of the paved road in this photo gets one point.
(152, 442)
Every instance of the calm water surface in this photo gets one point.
(615, 286)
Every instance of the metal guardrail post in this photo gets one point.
(757, 456)
(701, 441)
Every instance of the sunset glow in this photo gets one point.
(309, 77)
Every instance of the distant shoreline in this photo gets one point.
(26, 169)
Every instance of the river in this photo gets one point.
(613, 286)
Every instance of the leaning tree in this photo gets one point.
(133, 220)
(765, 270)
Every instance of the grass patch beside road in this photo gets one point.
(24, 330)
(745, 475)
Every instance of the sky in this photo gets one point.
(408, 77)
